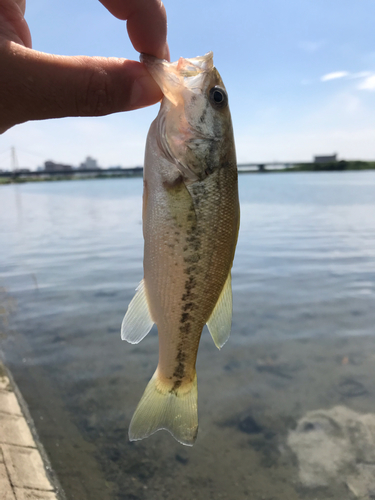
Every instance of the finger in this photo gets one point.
(12, 23)
(35, 85)
(22, 5)
(146, 23)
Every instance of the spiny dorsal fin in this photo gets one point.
(137, 321)
(220, 320)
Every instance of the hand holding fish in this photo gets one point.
(35, 85)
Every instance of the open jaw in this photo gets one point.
(186, 73)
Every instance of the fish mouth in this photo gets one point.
(184, 66)
(187, 73)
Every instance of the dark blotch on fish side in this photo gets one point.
(179, 371)
(185, 316)
(192, 259)
(190, 283)
(185, 328)
(190, 269)
(203, 115)
(176, 385)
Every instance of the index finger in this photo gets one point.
(146, 24)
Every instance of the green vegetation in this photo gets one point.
(334, 166)
(52, 177)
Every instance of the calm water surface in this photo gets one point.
(286, 408)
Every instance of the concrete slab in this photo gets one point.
(25, 468)
(4, 381)
(9, 403)
(14, 430)
(22, 494)
(6, 492)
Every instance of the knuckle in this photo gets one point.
(96, 99)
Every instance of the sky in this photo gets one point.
(300, 75)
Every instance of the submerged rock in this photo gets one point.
(336, 446)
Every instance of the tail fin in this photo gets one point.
(162, 407)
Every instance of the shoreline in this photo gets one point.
(25, 470)
(23, 177)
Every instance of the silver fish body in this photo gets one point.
(190, 228)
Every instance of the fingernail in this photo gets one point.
(145, 92)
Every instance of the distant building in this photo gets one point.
(325, 159)
(89, 164)
(51, 166)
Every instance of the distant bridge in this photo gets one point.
(138, 171)
(127, 172)
(270, 165)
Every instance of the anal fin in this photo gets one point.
(137, 321)
(220, 321)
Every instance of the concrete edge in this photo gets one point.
(51, 475)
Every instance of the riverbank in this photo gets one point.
(25, 472)
(45, 176)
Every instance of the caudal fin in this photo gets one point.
(162, 407)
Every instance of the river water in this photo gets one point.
(286, 408)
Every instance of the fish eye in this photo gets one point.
(218, 97)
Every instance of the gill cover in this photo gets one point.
(193, 116)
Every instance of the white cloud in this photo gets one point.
(368, 83)
(367, 77)
(333, 76)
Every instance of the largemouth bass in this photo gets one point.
(190, 228)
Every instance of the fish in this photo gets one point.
(190, 226)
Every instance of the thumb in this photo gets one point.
(35, 85)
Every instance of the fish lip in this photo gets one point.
(170, 76)
(201, 63)
(149, 60)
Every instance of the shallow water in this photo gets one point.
(302, 340)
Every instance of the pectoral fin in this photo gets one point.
(137, 321)
(220, 320)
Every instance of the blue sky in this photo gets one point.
(300, 76)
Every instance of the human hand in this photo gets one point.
(35, 85)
